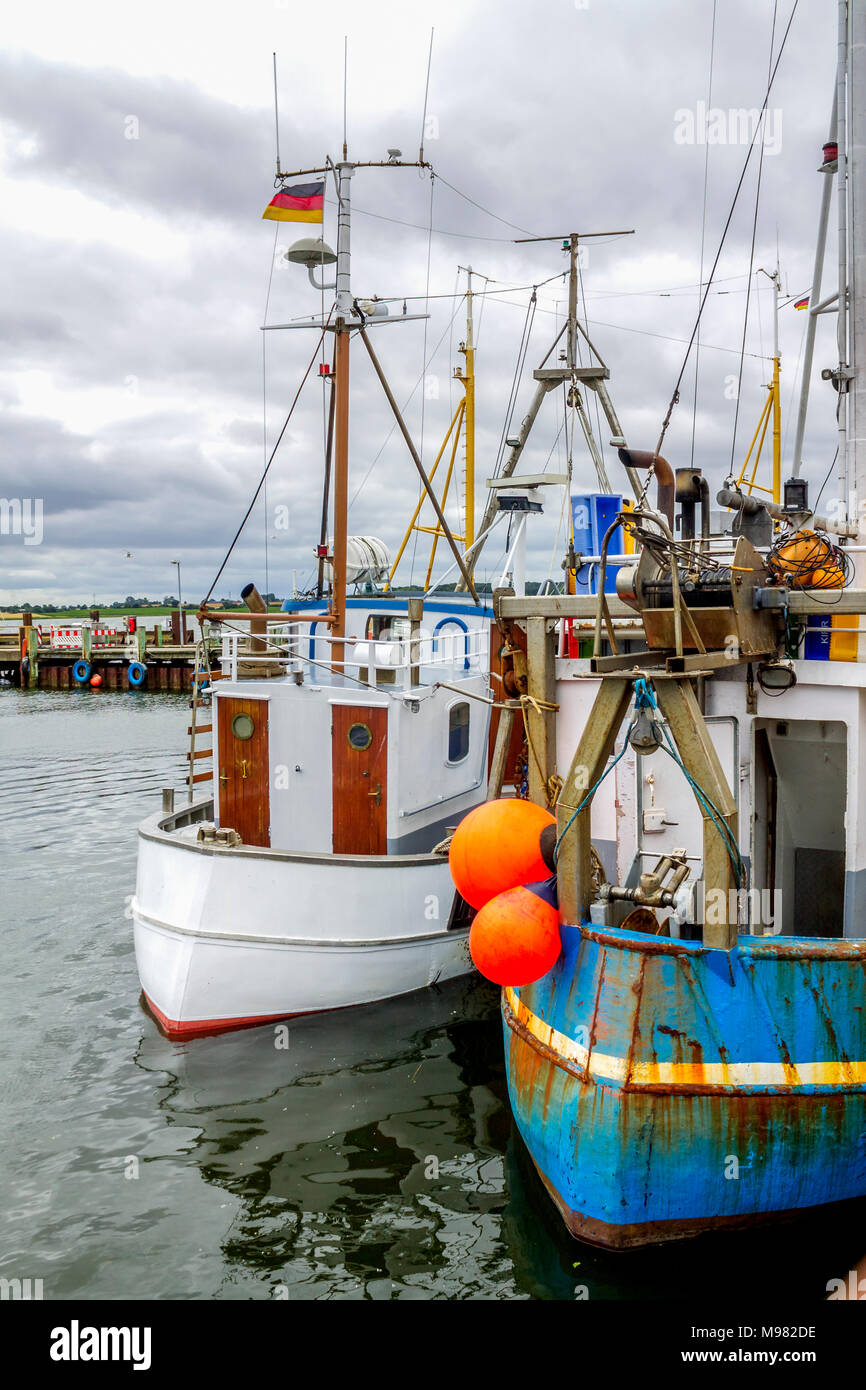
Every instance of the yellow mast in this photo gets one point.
(772, 409)
(463, 418)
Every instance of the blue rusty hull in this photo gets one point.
(663, 1089)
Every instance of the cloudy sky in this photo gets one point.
(138, 394)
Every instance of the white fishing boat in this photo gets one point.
(349, 737)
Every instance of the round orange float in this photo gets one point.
(497, 847)
(514, 938)
(96, 681)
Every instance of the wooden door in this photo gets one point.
(359, 759)
(244, 775)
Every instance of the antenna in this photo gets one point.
(277, 117)
(345, 85)
(426, 92)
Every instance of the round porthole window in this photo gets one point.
(243, 726)
(360, 737)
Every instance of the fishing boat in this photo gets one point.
(695, 1059)
(350, 733)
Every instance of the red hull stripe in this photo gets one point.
(200, 1027)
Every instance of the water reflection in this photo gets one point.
(367, 1155)
(375, 1157)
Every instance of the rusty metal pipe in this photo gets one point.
(258, 626)
(644, 458)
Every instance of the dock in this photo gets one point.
(123, 653)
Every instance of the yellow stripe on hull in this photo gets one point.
(672, 1076)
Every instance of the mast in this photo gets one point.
(842, 94)
(349, 317)
(341, 415)
(469, 422)
(547, 378)
(776, 389)
(815, 296)
(857, 281)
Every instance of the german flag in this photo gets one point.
(802, 303)
(303, 202)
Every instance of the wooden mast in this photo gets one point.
(341, 417)
(469, 422)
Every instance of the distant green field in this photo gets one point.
(155, 611)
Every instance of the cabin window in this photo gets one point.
(243, 726)
(387, 625)
(359, 737)
(458, 732)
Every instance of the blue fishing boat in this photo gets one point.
(664, 1089)
(695, 1059)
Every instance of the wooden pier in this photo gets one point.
(47, 659)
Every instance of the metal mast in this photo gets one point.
(857, 257)
(547, 378)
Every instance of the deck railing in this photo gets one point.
(444, 654)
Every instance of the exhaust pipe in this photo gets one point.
(644, 458)
(258, 626)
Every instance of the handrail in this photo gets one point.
(286, 643)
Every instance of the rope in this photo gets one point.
(591, 793)
(552, 784)
(645, 699)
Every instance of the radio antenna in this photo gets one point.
(345, 85)
(426, 92)
(277, 118)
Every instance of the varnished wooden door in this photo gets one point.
(244, 801)
(359, 758)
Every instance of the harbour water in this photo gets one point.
(365, 1154)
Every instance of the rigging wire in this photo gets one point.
(405, 406)
(481, 208)
(261, 483)
(426, 94)
(826, 480)
(265, 389)
(761, 129)
(582, 292)
(522, 349)
(676, 391)
(703, 235)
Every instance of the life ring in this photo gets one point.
(81, 672)
(136, 673)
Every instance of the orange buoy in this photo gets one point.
(96, 681)
(514, 939)
(496, 847)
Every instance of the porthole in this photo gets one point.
(359, 737)
(243, 726)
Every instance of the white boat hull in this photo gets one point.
(227, 938)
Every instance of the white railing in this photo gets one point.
(431, 656)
